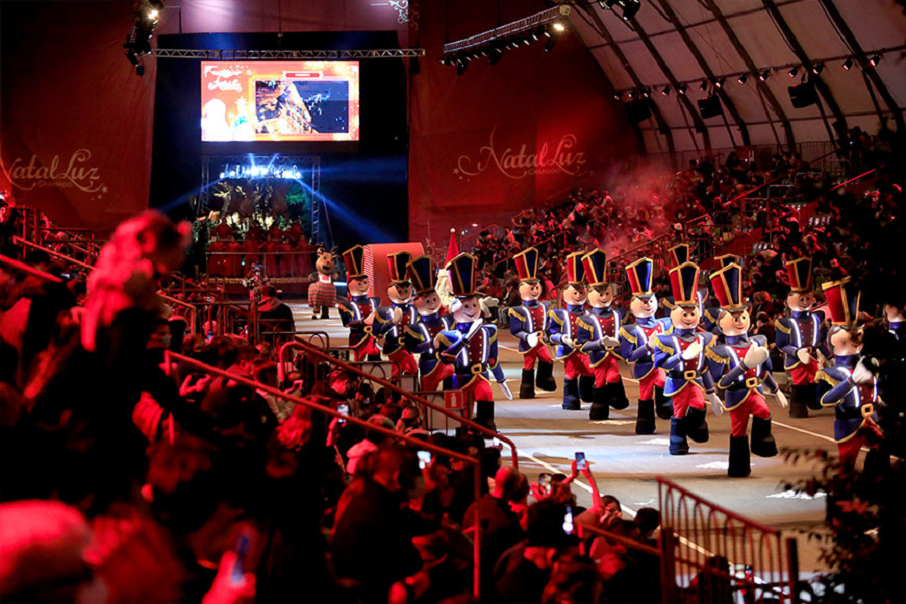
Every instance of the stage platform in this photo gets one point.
(625, 464)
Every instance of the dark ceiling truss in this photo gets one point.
(868, 70)
(671, 16)
(763, 89)
(663, 127)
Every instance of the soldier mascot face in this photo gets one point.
(530, 290)
(421, 275)
(399, 290)
(686, 316)
(358, 286)
(734, 323)
(799, 275)
(601, 296)
(427, 304)
(800, 301)
(845, 341)
(575, 294)
(643, 307)
(467, 310)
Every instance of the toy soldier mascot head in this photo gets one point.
(800, 336)
(739, 367)
(677, 255)
(359, 311)
(682, 355)
(420, 336)
(598, 332)
(579, 379)
(528, 322)
(711, 309)
(636, 347)
(850, 386)
(471, 346)
(401, 314)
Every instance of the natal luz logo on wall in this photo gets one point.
(74, 172)
(560, 157)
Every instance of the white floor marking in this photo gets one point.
(794, 495)
(714, 465)
(656, 441)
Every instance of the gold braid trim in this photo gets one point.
(514, 313)
(823, 375)
(709, 352)
(555, 317)
(779, 325)
(629, 337)
(415, 334)
(663, 348)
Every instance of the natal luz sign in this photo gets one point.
(563, 157)
(75, 171)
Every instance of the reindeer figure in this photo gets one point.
(323, 293)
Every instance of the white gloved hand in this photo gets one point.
(781, 400)
(506, 390)
(369, 319)
(692, 352)
(861, 374)
(567, 341)
(756, 356)
(397, 315)
(803, 355)
(610, 342)
(532, 340)
(716, 405)
(437, 340)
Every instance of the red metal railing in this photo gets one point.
(718, 552)
(170, 357)
(24, 268)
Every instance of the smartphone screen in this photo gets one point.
(424, 459)
(568, 526)
(544, 482)
(580, 461)
(243, 544)
(343, 409)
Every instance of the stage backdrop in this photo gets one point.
(501, 138)
(75, 121)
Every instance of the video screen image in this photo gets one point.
(279, 101)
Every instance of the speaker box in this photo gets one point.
(710, 107)
(803, 95)
(638, 111)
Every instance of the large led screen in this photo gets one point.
(264, 101)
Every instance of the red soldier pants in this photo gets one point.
(607, 372)
(480, 389)
(404, 362)
(366, 346)
(804, 373)
(538, 352)
(575, 365)
(657, 377)
(739, 415)
(849, 450)
(690, 396)
(434, 379)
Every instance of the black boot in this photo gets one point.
(484, 414)
(678, 444)
(798, 401)
(663, 404)
(618, 398)
(600, 409)
(448, 384)
(314, 313)
(644, 422)
(695, 425)
(739, 457)
(545, 378)
(527, 389)
(571, 395)
(810, 393)
(763, 444)
(586, 386)
(325, 312)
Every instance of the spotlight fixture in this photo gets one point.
(629, 7)
(630, 95)
(681, 89)
(551, 42)
(495, 53)
(558, 27)
(874, 60)
(646, 93)
(665, 91)
(817, 68)
(461, 66)
(793, 72)
(145, 18)
(703, 86)
(617, 96)
(719, 83)
(743, 78)
(848, 64)
(764, 75)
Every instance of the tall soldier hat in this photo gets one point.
(421, 273)
(842, 302)
(396, 264)
(462, 272)
(728, 259)
(727, 284)
(354, 258)
(527, 264)
(640, 274)
(679, 254)
(575, 270)
(799, 275)
(684, 282)
(595, 267)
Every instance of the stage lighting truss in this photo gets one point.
(546, 25)
(276, 55)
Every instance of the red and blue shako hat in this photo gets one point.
(397, 264)
(354, 258)
(575, 270)
(527, 264)
(728, 259)
(461, 270)
(842, 302)
(595, 267)
(684, 283)
(799, 275)
(421, 273)
(679, 254)
(727, 284)
(640, 274)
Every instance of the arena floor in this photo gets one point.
(626, 465)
